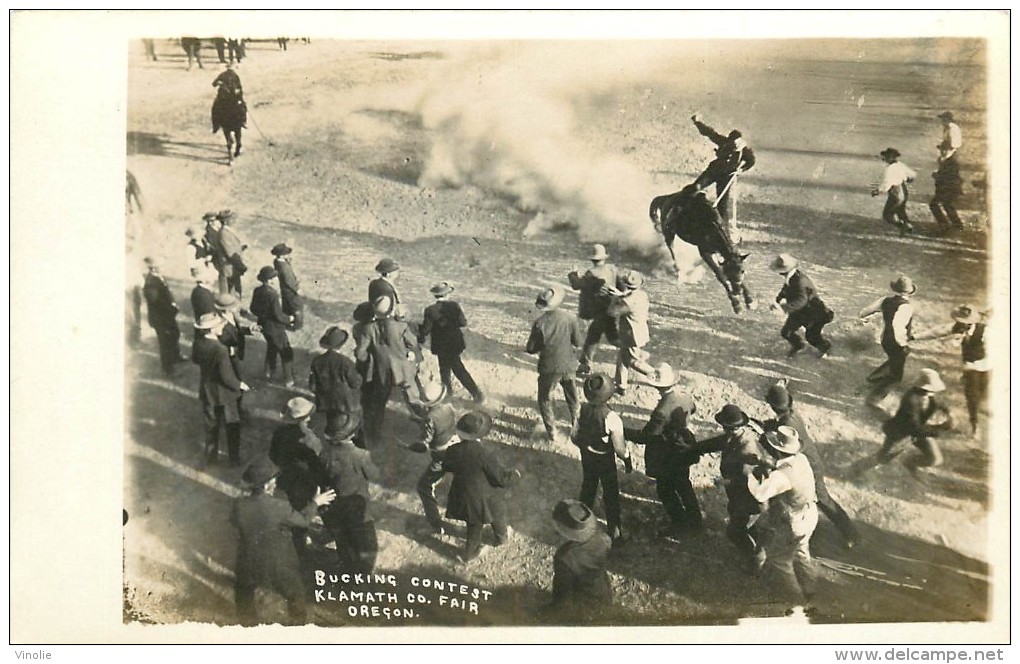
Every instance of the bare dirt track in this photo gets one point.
(492, 166)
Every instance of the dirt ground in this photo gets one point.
(494, 167)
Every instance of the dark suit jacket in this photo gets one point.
(265, 552)
(348, 469)
(290, 287)
(379, 287)
(336, 383)
(590, 301)
(301, 472)
(265, 305)
(218, 382)
(160, 303)
(554, 336)
(443, 321)
(203, 301)
(477, 475)
(802, 299)
(661, 453)
(386, 343)
(580, 580)
(911, 418)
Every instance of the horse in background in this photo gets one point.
(687, 214)
(229, 111)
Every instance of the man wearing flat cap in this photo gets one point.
(162, 314)
(630, 307)
(555, 335)
(593, 300)
(233, 248)
(444, 322)
(799, 299)
(385, 284)
(580, 585)
(267, 308)
(290, 287)
(476, 495)
(894, 185)
(789, 488)
(219, 389)
(336, 383)
(266, 557)
(897, 333)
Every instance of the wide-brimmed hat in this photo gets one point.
(298, 409)
(599, 388)
(599, 253)
(784, 440)
(779, 397)
(731, 416)
(347, 430)
(783, 263)
(209, 216)
(663, 376)
(208, 321)
(441, 289)
(387, 265)
(280, 249)
(574, 520)
(432, 393)
(267, 273)
(550, 298)
(930, 381)
(966, 313)
(364, 312)
(225, 300)
(333, 338)
(382, 306)
(903, 285)
(945, 115)
(890, 152)
(474, 425)
(226, 216)
(260, 471)
(632, 280)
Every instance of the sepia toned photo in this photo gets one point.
(428, 329)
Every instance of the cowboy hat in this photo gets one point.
(631, 280)
(473, 425)
(599, 388)
(930, 381)
(363, 313)
(890, 152)
(903, 285)
(783, 263)
(280, 249)
(599, 253)
(784, 440)
(779, 397)
(298, 409)
(574, 520)
(260, 471)
(549, 299)
(382, 306)
(226, 216)
(267, 273)
(347, 430)
(387, 265)
(208, 321)
(664, 376)
(945, 115)
(225, 300)
(432, 393)
(441, 289)
(966, 313)
(334, 337)
(209, 216)
(731, 416)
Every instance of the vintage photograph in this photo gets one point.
(692, 332)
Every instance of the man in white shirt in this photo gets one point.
(894, 184)
(952, 137)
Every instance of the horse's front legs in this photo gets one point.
(717, 270)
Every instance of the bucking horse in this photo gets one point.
(229, 111)
(689, 215)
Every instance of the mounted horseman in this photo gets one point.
(687, 214)
(229, 110)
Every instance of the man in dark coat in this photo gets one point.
(803, 307)
(580, 586)
(948, 188)
(599, 435)
(732, 157)
(239, 326)
(593, 301)
(475, 495)
(897, 333)
(385, 284)
(290, 287)
(233, 248)
(162, 312)
(203, 296)
(444, 322)
(438, 433)
(265, 553)
(742, 455)
(348, 470)
(336, 383)
(219, 389)
(265, 305)
(922, 416)
(666, 437)
(554, 337)
(215, 255)
(780, 400)
(295, 449)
